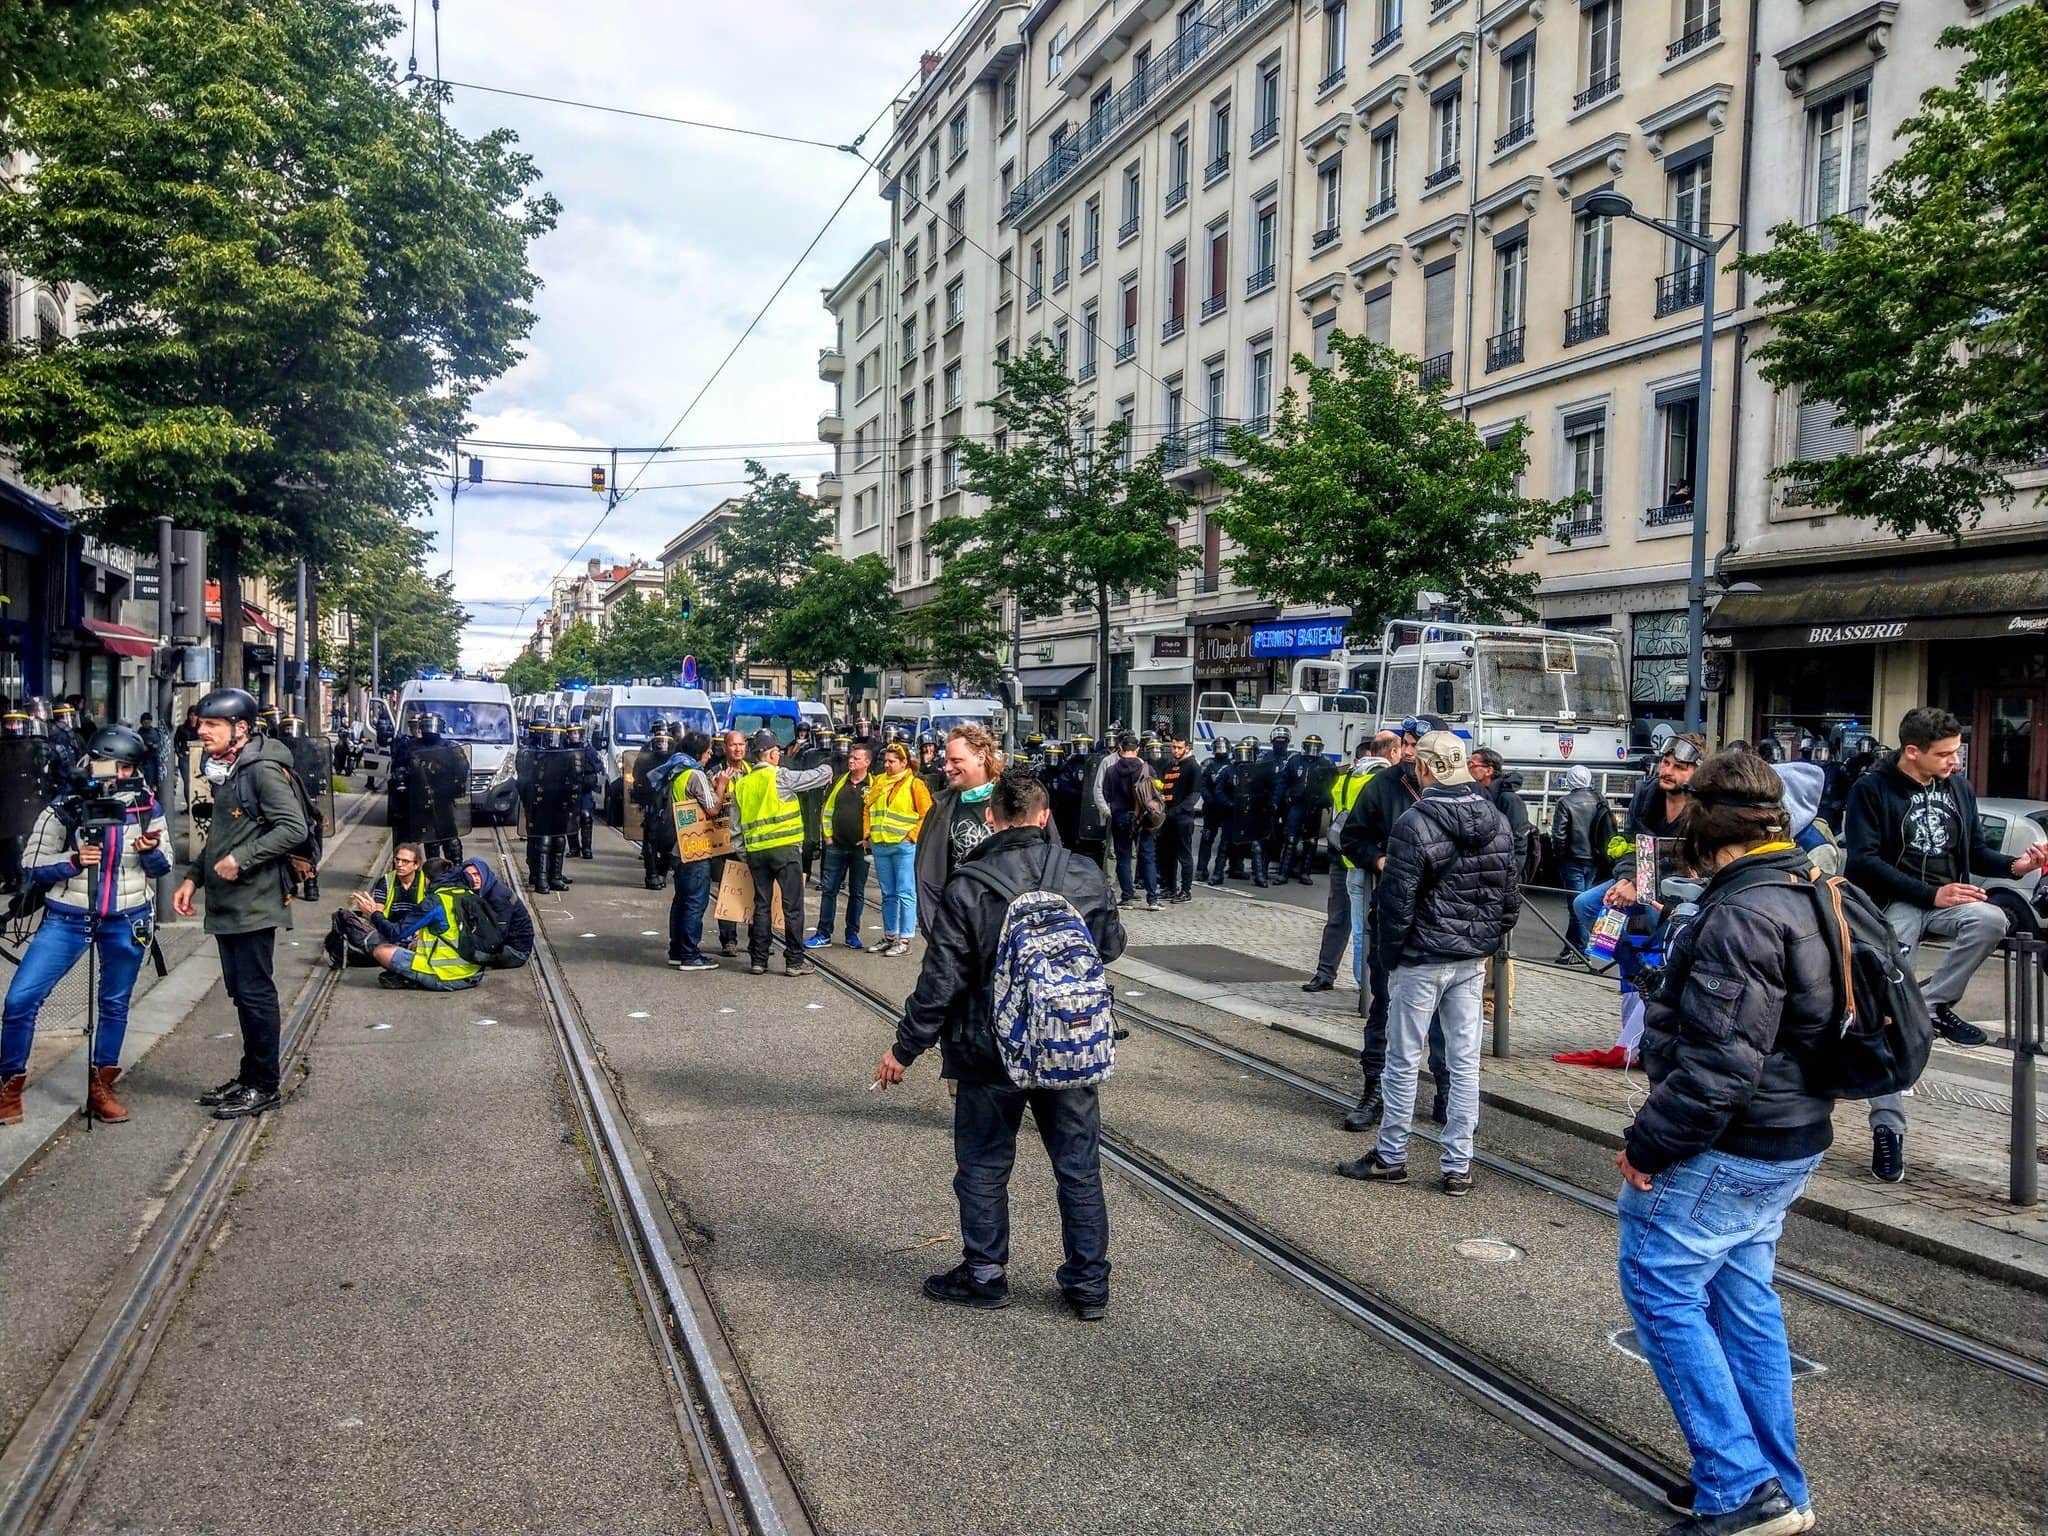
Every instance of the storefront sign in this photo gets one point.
(1855, 634)
(2026, 626)
(1169, 647)
(1302, 637)
(1223, 650)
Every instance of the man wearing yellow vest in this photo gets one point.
(1350, 886)
(770, 827)
(845, 828)
(428, 953)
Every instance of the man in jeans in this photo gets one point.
(1448, 894)
(951, 1006)
(689, 785)
(844, 825)
(1350, 884)
(1119, 790)
(1913, 841)
(1581, 827)
(771, 828)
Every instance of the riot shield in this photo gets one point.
(550, 792)
(635, 814)
(437, 783)
(28, 782)
(314, 761)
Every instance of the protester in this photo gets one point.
(393, 897)
(843, 821)
(1581, 829)
(1913, 841)
(1351, 885)
(1722, 1147)
(1448, 894)
(957, 823)
(1119, 788)
(897, 807)
(426, 952)
(726, 775)
(1367, 830)
(508, 915)
(689, 786)
(1181, 788)
(771, 830)
(951, 1007)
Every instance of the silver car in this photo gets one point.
(2012, 827)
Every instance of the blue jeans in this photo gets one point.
(1577, 875)
(1697, 1253)
(1586, 912)
(1449, 992)
(847, 867)
(986, 1117)
(1123, 830)
(895, 871)
(686, 911)
(58, 943)
(1360, 892)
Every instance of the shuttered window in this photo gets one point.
(1379, 316)
(1822, 432)
(1219, 262)
(1438, 303)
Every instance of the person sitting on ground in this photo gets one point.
(1448, 896)
(1913, 841)
(387, 906)
(951, 1008)
(427, 952)
(507, 913)
(1724, 1145)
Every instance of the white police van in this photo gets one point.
(616, 721)
(478, 716)
(939, 714)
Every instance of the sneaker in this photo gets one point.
(757, 970)
(1887, 1154)
(1317, 984)
(1767, 1513)
(797, 968)
(1458, 1185)
(698, 964)
(1152, 904)
(853, 941)
(1956, 1030)
(1365, 1114)
(216, 1095)
(958, 1287)
(245, 1101)
(1569, 957)
(900, 947)
(728, 947)
(1087, 1309)
(818, 941)
(674, 964)
(1370, 1168)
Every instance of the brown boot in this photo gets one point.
(10, 1098)
(100, 1102)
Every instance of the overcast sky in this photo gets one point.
(670, 239)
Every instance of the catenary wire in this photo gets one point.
(652, 117)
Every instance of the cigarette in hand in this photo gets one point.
(874, 1085)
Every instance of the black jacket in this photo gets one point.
(1382, 803)
(950, 1005)
(1451, 889)
(1183, 781)
(1647, 813)
(1581, 827)
(1747, 978)
(935, 860)
(1891, 825)
(1215, 808)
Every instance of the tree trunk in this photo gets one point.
(229, 550)
(1102, 701)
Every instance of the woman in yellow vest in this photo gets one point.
(897, 806)
(429, 952)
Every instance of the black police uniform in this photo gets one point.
(1250, 783)
(589, 779)
(1211, 855)
(548, 774)
(655, 847)
(437, 777)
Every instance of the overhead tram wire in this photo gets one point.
(652, 117)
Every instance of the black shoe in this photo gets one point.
(312, 891)
(1458, 1185)
(1365, 1114)
(246, 1101)
(1318, 984)
(1440, 1106)
(1887, 1154)
(1956, 1030)
(959, 1287)
(1303, 880)
(1768, 1513)
(1118, 1032)
(1261, 881)
(651, 883)
(1370, 1168)
(214, 1096)
(1215, 885)
(1569, 956)
(560, 884)
(727, 947)
(1088, 1309)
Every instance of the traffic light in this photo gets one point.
(683, 606)
(476, 471)
(187, 578)
(597, 478)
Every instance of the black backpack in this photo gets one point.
(479, 935)
(309, 847)
(1884, 1033)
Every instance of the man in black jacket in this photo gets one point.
(1183, 794)
(1364, 842)
(1214, 849)
(1913, 841)
(951, 1008)
(1448, 894)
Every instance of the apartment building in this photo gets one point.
(1832, 619)
(857, 366)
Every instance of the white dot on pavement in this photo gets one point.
(487, 1021)
(649, 933)
(589, 935)
(814, 1007)
(380, 1026)
(226, 1034)
(639, 1014)
(728, 1010)
(1134, 994)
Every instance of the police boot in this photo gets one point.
(1259, 866)
(558, 849)
(1308, 865)
(583, 828)
(537, 863)
(100, 1103)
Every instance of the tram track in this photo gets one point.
(1545, 1418)
(46, 1465)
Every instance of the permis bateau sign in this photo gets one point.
(1310, 637)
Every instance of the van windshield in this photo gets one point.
(748, 722)
(941, 724)
(480, 720)
(631, 723)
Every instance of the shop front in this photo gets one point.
(1163, 679)
(1223, 659)
(1056, 697)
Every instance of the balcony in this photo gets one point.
(829, 485)
(1260, 424)
(1213, 305)
(1265, 134)
(1681, 289)
(1693, 41)
(1331, 81)
(1435, 370)
(1128, 230)
(1524, 128)
(1173, 326)
(1583, 322)
(1582, 527)
(1325, 236)
(1504, 349)
(1087, 372)
(1668, 515)
(1090, 254)
(831, 427)
(1381, 209)
(1185, 447)
(1176, 195)
(1597, 90)
(1387, 41)
(1207, 583)
(1442, 176)
(1177, 60)
(1824, 228)
(1127, 349)
(831, 363)
(1259, 281)
(1216, 168)
(1059, 278)
(1033, 295)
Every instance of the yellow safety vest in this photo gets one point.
(767, 820)
(889, 822)
(679, 791)
(437, 954)
(418, 894)
(1345, 796)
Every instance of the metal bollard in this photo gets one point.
(2028, 1018)
(1501, 991)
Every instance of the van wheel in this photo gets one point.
(2020, 918)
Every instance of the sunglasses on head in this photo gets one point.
(1684, 753)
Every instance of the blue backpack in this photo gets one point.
(1054, 1022)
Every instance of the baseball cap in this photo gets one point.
(1443, 753)
(763, 741)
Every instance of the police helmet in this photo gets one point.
(572, 735)
(229, 704)
(1245, 751)
(432, 725)
(1312, 744)
(1083, 745)
(1055, 753)
(658, 735)
(13, 723)
(291, 726)
(116, 743)
(547, 733)
(842, 740)
(1219, 747)
(1282, 736)
(1152, 752)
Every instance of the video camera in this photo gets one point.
(106, 801)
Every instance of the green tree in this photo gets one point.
(775, 536)
(841, 617)
(1071, 513)
(53, 42)
(1927, 327)
(299, 277)
(414, 617)
(576, 655)
(643, 638)
(959, 632)
(529, 673)
(1369, 493)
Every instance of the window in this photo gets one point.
(1333, 45)
(1009, 180)
(1319, 331)
(1600, 25)
(953, 393)
(906, 409)
(1678, 422)
(1446, 119)
(1009, 95)
(1258, 390)
(1389, 26)
(1840, 153)
(1219, 271)
(925, 478)
(1176, 291)
(1005, 278)
(1034, 280)
(957, 130)
(1386, 165)
(1586, 457)
(1177, 160)
(1699, 23)
(956, 221)
(1592, 261)
(1439, 312)
(931, 244)
(1176, 406)
(1089, 321)
(1003, 350)
(1127, 413)
(1098, 106)
(910, 338)
(1213, 398)
(1329, 198)
(1265, 246)
(931, 165)
(909, 262)
(1053, 54)
(1510, 304)
(1689, 201)
(1132, 188)
(1091, 233)
(910, 180)
(1517, 95)
(956, 302)
(1379, 314)
(1127, 328)
(1219, 137)
(1059, 343)
(860, 444)
(930, 401)
(1822, 433)
(949, 468)
(1266, 126)
(1141, 71)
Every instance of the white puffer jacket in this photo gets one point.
(125, 872)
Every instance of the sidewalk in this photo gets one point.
(1247, 956)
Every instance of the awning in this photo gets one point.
(260, 619)
(121, 640)
(1935, 600)
(1052, 682)
(50, 517)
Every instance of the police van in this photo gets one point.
(478, 716)
(617, 720)
(939, 714)
(751, 712)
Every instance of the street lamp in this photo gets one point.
(1612, 205)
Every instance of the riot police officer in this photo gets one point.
(1211, 856)
(1249, 784)
(1092, 825)
(811, 753)
(931, 762)
(1279, 751)
(547, 798)
(589, 780)
(1297, 809)
(437, 789)
(67, 747)
(397, 779)
(654, 847)
(28, 782)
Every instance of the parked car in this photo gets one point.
(2014, 826)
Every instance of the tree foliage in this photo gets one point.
(841, 617)
(1368, 493)
(1927, 327)
(958, 632)
(774, 538)
(1071, 512)
(414, 616)
(46, 43)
